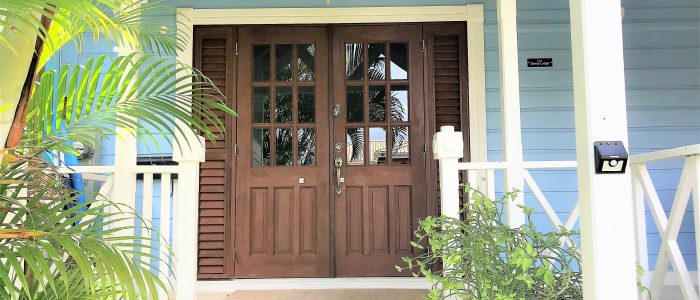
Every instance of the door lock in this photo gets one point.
(338, 162)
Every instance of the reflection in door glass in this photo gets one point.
(400, 145)
(261, 147)
(283, 104)
(306, 104)
(283, 62)
(354, 103)
(377, 103)
(261, 105)
(261, 62)
(305, 62)
(306, 147)
(355, 139)
(399, 61)
(377, 146)
(399, 103)
(354, 61)
(376, 54)
(283, 147)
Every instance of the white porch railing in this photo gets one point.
(448, 149)
(667, 226)
(102, 178)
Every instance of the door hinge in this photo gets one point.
(235, 149)
(422, 45)
(236, 48)
(425, 148)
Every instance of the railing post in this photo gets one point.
(448, 148)
(185, 217)
(695, 187)
(640, 221)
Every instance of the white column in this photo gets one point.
(607, 210)
(510, 108)
(189, 154)
(448, 148)
(478, 149)
(185, 218)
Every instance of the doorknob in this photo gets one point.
(338, 162)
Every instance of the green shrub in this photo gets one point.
(481, 257)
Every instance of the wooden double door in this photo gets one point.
(328, 176)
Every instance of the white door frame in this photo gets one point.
(473, 14)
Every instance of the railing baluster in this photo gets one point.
(147, 212)
(163, 265)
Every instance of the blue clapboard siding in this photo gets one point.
(662, 62)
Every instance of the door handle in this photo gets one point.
(338, 162)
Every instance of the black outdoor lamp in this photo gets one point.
(610, 157)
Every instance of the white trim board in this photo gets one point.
(313, 284)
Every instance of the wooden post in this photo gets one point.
(448, 148)
(186, 216)
(607, 211)
(510, 109)
(478, 148)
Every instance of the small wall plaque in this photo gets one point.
(540, 62)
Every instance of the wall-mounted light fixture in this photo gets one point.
(610, 157)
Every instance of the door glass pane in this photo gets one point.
(306, 139)
(400, 145)
(354, 61)
(376, 54)
(261, 105)
(399, 61)
(283, 62)
(261, 147)
(306, 63)
(261, 62)
(283, 147)
(306, 104)
(377, 103)
(399, 103)
(283, 104)
(377, 146)
(354, 104)
(355, 146)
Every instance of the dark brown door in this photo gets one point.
(282, 199)
(379, 135)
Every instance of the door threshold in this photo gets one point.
(314, 284)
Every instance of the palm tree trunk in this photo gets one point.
(20, 112)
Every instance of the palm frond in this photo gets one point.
(78, 103)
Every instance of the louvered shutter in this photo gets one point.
(214, 56)
(447, 88)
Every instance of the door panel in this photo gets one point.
(282, 201)
(378, 86)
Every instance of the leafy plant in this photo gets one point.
(480, 257)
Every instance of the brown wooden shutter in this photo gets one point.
(447, 88)
(214, 55)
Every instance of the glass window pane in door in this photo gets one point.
(283, 62)
(354, 104)
(283, 147)
(261, 104)
(377, 61)
(399, 61)
(377, 146)
(399, 103)
(306, 146)
(261, 147)
(354, 61)
(261, 62)
(306, 63)
(377, 103)
(283, 104)
(306, 106)
(355, 146)
(400, 153)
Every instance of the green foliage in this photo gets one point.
(54, 248)
(480, 257)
